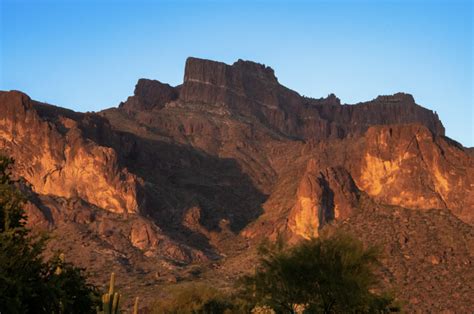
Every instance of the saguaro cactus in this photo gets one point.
(59, 268)
(135, 306)
(110, 300)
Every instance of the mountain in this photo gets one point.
(182, 183)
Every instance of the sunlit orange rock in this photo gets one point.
(56, 158)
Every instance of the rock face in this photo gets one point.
(148, 95)
(251, 88)
(409, 167)
(56, 157)
(207, 81)
(323, 195)
(202, 172)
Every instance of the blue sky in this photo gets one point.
(88, 55)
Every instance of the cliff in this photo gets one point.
(148, 95)
(251, 89)
(56, 158)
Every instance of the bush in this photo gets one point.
(325, 275)
(193, 298)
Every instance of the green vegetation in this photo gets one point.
(331, 274)
(195, 299)
(28, 284)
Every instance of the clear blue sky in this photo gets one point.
(88, 55)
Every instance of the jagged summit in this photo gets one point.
(399, 97)
(150, 94)
(251, 89)
(215, 72)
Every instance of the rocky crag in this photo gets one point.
(194, 176)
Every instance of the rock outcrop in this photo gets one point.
(56, 158)
(148, 95)
(410, 167)
(252, 89)
(323, 195)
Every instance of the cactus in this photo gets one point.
(110, 300)
(135, 306)
(61, 261)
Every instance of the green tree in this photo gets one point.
(28, 284)
(333, 274)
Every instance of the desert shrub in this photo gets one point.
(332, 274)
(195, 298)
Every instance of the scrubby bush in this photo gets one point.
(332, 274)
(196, 298)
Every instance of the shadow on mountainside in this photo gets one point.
(189, 193)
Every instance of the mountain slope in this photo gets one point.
(202, 172)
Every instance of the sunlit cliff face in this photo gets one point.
(306, 223)
(66, 165)
(416, 170)
(395, 165)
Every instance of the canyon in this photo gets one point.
(182, 183)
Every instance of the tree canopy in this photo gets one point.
(333, 274)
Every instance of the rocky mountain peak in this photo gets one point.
(250, 89)
(214, 72)
(403, 98)
(257, 69)
(153, 91)
(150, 94)
(207, 81)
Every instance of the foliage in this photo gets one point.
(333, 274)
(28, 284)
(194, 298)
(72, 292)
(12, 215)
